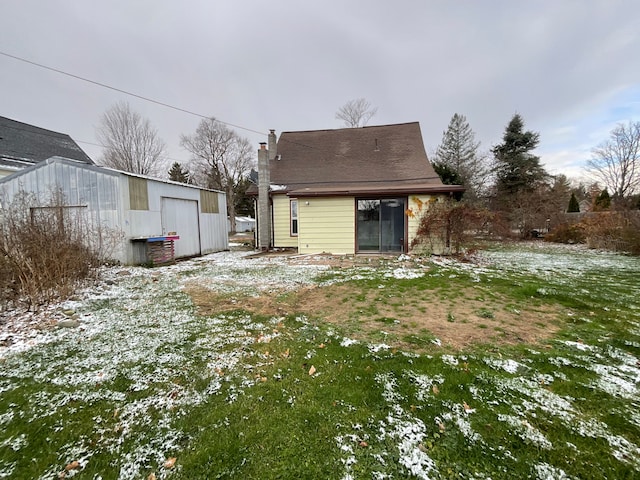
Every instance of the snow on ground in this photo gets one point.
(146, 336)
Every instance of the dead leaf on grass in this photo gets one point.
(169, 462)
(72, 466)
(312, 370)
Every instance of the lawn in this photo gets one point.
(522, 363)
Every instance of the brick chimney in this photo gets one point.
(273, 145)
(264, 207)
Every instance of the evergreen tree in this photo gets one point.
(517, 169)
(449, 176)
(458, 151)
(574, 206)
(244, 203)
(603, 201)
(178, 174)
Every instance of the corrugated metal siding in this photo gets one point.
(79, 187)
(181, 216)
(93, 191)
(327, 225)
(281, 223)
(214, 228)
(106, 195)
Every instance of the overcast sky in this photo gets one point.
(571, 68)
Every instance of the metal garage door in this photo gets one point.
(181, 216)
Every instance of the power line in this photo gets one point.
(50, 133)
(157, 102)
(141, 97)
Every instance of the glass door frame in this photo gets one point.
(391, 223)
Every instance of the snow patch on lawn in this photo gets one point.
(409, 432)
(526, 431)
(509, 366)
(544, 471)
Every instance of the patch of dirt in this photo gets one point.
(410, 320)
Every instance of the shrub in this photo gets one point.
(616, 231)
(448, 226)
(566, 233)
(44, 251)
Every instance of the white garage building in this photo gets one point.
(146, 212)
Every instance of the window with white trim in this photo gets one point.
(294, 218)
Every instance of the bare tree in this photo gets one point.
(356, 113)
(616, 162)
(130, 142)
(222, 159)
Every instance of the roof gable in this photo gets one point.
(23, 143)
(386, 157)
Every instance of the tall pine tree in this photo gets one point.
(178, 174)
(517, 169)
(458, 152)
(574, 206)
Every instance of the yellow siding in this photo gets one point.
(327, 225)
(419, 204)
(281, 223)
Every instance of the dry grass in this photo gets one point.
(470, 317)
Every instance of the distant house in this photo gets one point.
(244, 224)
(23, 145)
(141, 213)
(344, 191)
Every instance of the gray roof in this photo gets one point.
(22, 145)
(385, 159)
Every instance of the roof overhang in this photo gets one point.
(369, 190)
(365, 190)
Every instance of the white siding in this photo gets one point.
(105, 195)
(181, 216)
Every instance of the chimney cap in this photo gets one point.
(272, 130)
(263, 145)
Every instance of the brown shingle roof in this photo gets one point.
(367, 160)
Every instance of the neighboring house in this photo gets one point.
(136, 212)
(244, 224)
(345, 191)
(23, 145)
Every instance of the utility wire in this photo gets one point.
(157, 102)
(57, 135)
(141, 97)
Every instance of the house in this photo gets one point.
(345, 191)
(23, 145)
(244, 224)
(142, 216)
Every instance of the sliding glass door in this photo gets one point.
(381, 225)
